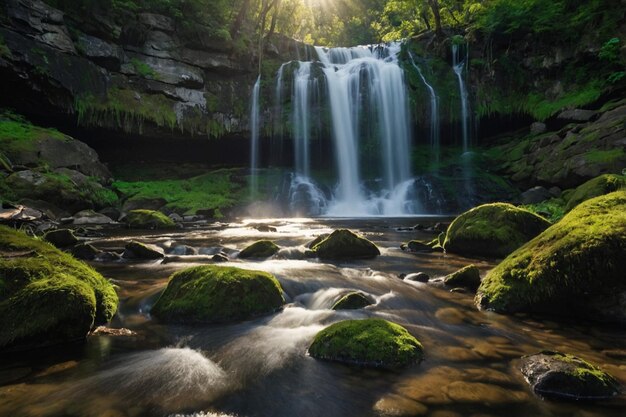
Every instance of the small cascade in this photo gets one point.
(254, 142)
(306, 198)
(459, 69)
(302, 89)
(435, 128)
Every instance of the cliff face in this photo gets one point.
(146, 77)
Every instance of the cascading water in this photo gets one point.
(254, 142)
(302, 88)
(459, 67)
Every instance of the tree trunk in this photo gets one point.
(434, 5)
(241, 16)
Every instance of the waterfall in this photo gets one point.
(459, 68)
(302, 118)
(435, 128)
(254, 142)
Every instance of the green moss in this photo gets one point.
(17, 135)
(493, 230)
(47, 296)
(467, 277)
(344, 244)
(148, 219)
(598, 186)
(208, 294)
(143, 69)
(567, 267)
(369, 342)
(260, 249)
(604, 157)
(352, 301)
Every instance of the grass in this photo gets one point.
(210, 294)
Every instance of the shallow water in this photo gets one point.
(261, 367)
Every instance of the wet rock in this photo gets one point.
(467, 277)
(416, 246)
(265, 228)
(577, 115)
(538, 128)
(115, 332)
(137, 250)
(182, 250)
(107, 257)
(186, 259)
(61, 238)
(562, 376)
(210, 294)
(344, 244)
(49, 210)
(85, 251)
(381, 344)
(260, 249)
(220, 257)
(155, 21)
(111, 212)
(493, 230)
(176, 218)
(317, 240)
(105, 54)
(536, 195)
(19, 214)
(418, 277)
(352, 301)
(90, 217)
(147, 219)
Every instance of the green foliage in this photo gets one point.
(260, 249)
(210, 294)
(553, 209)
(370, 342)
(611, 51)
(143, 69)
(148, 219)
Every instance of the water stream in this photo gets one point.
(254, 139)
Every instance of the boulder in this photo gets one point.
(562, 376)
(91, 217)
(213, 294)
(536, 195)
(48, 297)
(317, 240)
(181, 250)
(61, 238)
(418, 277)
(598, 186)
(574, 268)
(344, 244)
(467, 277)
(85, 251)
(220, 257)
(370, 343)
(260, 249)
(577, 115)
(538, 128)
(416, 246)
(493, 230)
(352, 301)
(148, 219)
(137, 250)
(143, 204)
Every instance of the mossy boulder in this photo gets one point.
(214, 294)
(47, 296)
(370, 342)
(138, 250)
(604, 184)
(61, 238)
(344, 244)
(563, 376)
(493, 230)
(352, 301)
(148, 219)
(260, 249)
(467, 277)
(574, 268)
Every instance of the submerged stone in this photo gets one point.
(352, 301)
(370, 342)
(344, 244)
(467, 277)
(562, 376)
(260, 249)
(213, 294)
(493, 230)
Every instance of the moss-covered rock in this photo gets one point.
(352, 301)
(138, 250)
(260, 249)
(61, 238)
(493, 230)
(370, 342)
(467, 277)
(148, 219)
(563, 376)
(46, 296)
(213, 294)
(85, 251)
(604, 184)
(344, 244)
(576, 267)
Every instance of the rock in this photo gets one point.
(156, 22)
(467, 277)
(265, 228)
(536, 195)
(85, 251)
(538, 128)
(182, 250)
(176, 218)
(147, 219)
(493, 230)
(168, 71)
(416, 246)
(109, 331)
(107, 257)
(344, 244)
(561, 376)
(577, 115)
(352, 301)
(50, 210)
(136, 250)
(91, 217)
(260, 249)
(48, 297)
(371, 343)
(111, 212)
(598, 186)
(575, 268)
(107, 55)
(555, 192)
(19, 214)
(61, 238)
(186, 259)
(317, 240)
(143, 204)
(213, 294)
(418, 277)
(220, 257)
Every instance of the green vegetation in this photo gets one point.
(344, 244)
(260, 249)
(493, 230)
(575, 267)
(148, 219)
(209, 294)
(553, 209)
(143, 69)
(607, 156)
(370, 342)
(467, 277)
(604, 184)
(46, 296)
(18, 135)
(352, 301)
